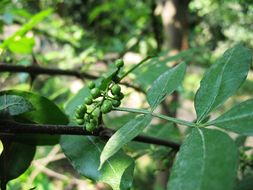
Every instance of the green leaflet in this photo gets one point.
(14, 160)
(84, 152)
(45, 112)
(207, 160)
(14, 105)
(165, 84)
(239, 119)
(124, 135)
(222, 80)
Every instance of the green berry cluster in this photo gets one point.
(100, 100)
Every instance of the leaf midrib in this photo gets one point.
(9, 105)
(231, 119)
(221, 76)
(132, 130)
(114, 171)
(204, 156)
(163, 89)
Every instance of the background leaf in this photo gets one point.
(239, 119)
(203, 163)
(84, 152)
(23, 45)
(222, 80)
(165, 84)
(14, 105)
(37, 18)
(147, 73)
(124, 135)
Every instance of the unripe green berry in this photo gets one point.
(95, 93)
(86, 117)
(81, 110)
(78, 116)
(88, 100)
(96, 112)
(115, 89)
(80, 121)
(106, 107)
(91, 85)
(94, 121)
(116, 103)
(119, 96)
(119, 63)
(90, 127)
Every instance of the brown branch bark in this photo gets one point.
(8, 127)
(36, 70)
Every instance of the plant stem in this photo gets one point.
(171, 119)
(135, 66)
(12, 128)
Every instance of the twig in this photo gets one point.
(36, 70)
(8, 127)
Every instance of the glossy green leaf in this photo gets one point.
(165, 84)
(222, 80)
(124, 135)
(239, 119)
(46, 112)
(14, 160)
(14, 105)
(207, 160)
(84, 152)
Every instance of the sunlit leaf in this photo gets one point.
(22, 45)
(37, 18)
